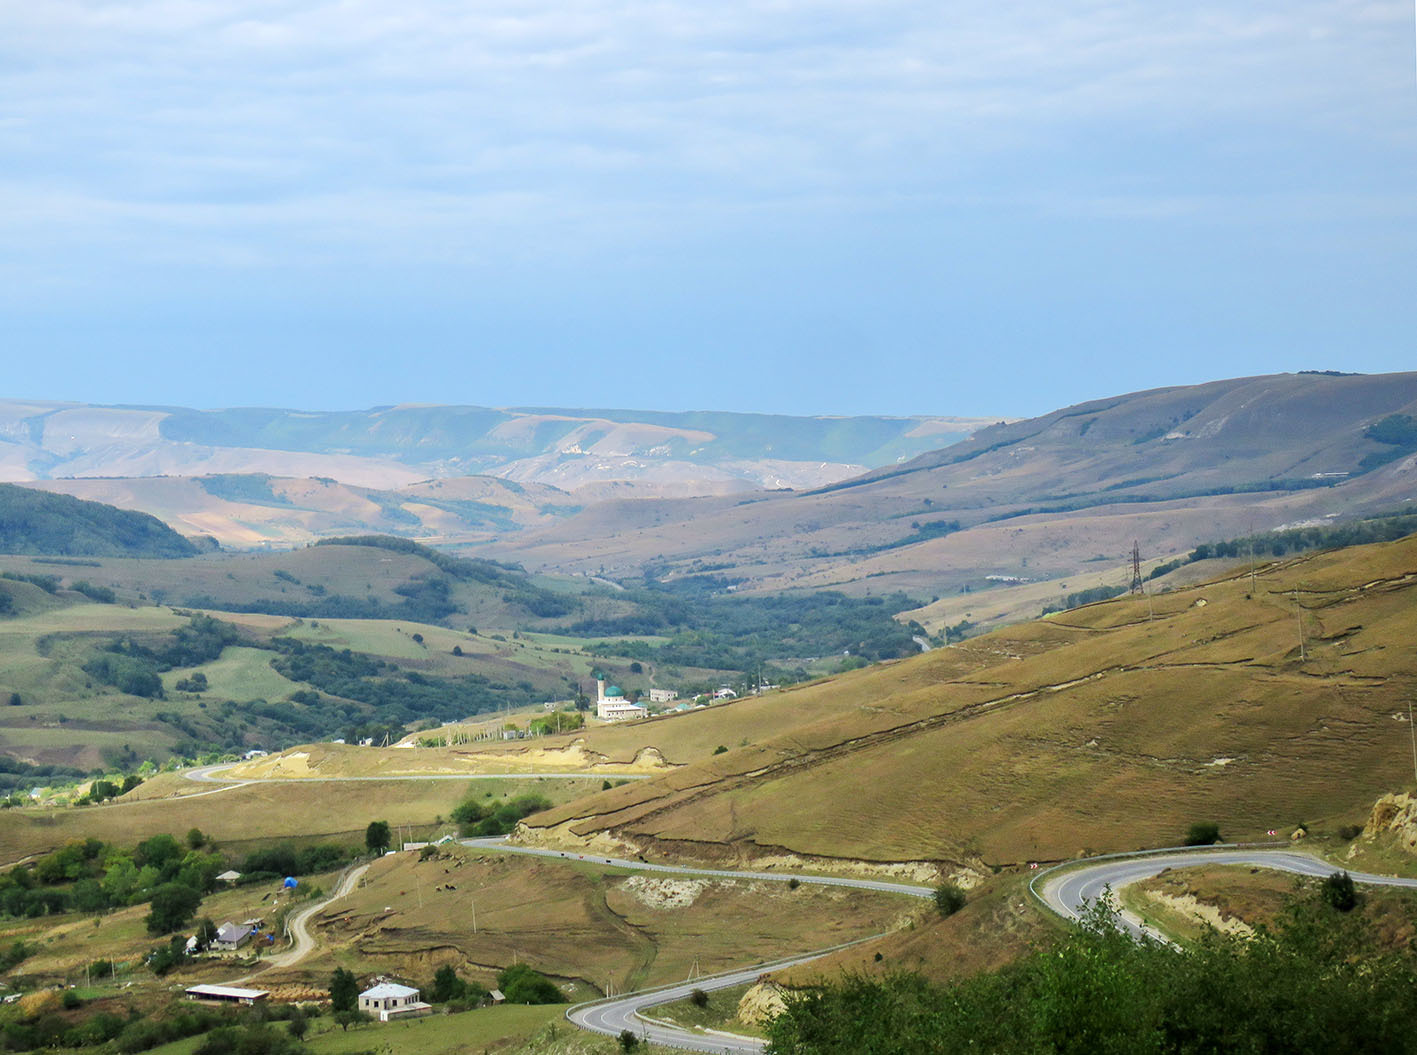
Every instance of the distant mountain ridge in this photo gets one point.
(1036, 499)
(390, 447)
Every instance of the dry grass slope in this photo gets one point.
(1109, 727)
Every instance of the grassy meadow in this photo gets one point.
(240, 817)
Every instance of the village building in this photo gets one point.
(389, 1000)
(611, 705)
(229, 876)
(226, 994)
(663, 695)
(231, 936)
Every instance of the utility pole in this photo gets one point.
(1253, 591)
(474, 916)
(1299, 618)
(1413, 732)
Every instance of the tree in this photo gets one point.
(206, 933)
(344, 991)
(173, 904)
(196, 838)
(377, 837)
(949, 899)
(446, 985)
(628, 1041)
(298, 1024)
(351, 1018)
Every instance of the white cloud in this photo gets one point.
(444, 124)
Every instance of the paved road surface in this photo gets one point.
(212, 775)
(617, 1014)
(1068, 889)
(909, 889)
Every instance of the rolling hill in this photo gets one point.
(1033, 501)
(32, 522)
(1110, 727)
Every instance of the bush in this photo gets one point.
(628, 1041)
(1207, 834)
(1338, 892)
(475, 819)
(1349, 832)
(522, 985)
(699, 998)
(949, 899)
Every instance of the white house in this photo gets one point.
(389, 1000)
(663, 695)
(231, 936)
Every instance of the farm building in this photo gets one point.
(226, 994)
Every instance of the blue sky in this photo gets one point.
(864, 206)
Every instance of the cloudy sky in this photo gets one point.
(805, 206)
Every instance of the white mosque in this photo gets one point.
(611, 705)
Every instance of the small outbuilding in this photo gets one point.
(229, 876)
(389, 1000)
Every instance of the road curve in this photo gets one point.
(297, 924)
(614, 1015)
(1069, 888)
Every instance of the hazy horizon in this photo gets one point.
(815, 208)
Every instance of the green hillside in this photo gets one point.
(36, 522)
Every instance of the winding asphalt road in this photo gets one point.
(1068, 889)
(614, 1015)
